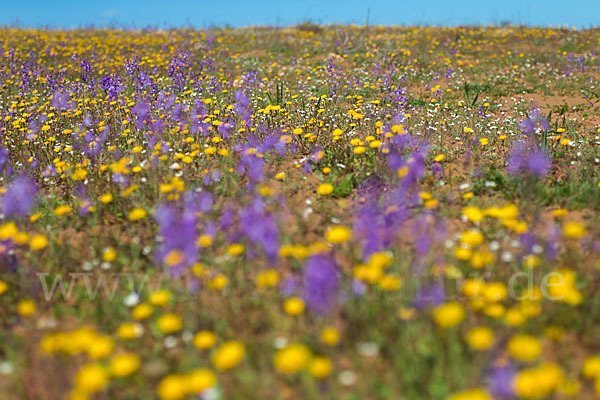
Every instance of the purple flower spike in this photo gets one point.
(320, 283)
(19, 198)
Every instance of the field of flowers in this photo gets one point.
(312, 212)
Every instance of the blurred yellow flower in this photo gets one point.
(228, 355)
(330, 336)
(448, 314)
(91, 378)
(480, 338)
(292, 358)
(124, 364)
(137, 214)
(293, 306)
(320, 367)
(325, 188)
(169, 323)
(38, 242)
(524, 347)
(25, 308)
(205, 339)
(338, 234)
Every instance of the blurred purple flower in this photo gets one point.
(19, 198)
(538, 163)
(178, 232)
(320, 283)
(500, 382)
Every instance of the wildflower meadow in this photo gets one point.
(311, 212)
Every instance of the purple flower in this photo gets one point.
(19, 198)
(4, 157)
(527, 125)
(178, 231)
(527, 157)
(538, 163)
(320, 283)
(260, 228)
(500, 382)
(430, 296)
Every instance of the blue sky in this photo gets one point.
(202, 13)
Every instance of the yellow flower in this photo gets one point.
(124, 364)
(109, 254)
(406, 313)
(293, 306)
(390, 282)
(169, 323)
(268, 278)
(320, 367)
(172, 387)
(3, 287)
(472, 238)
(562, 287)
(62, 210)
(25, 308)
(38, 242)
(531, 261)
(199, 380)
(463, 253)
(292, 358)
(35, 217)
(325, 189)
(431, 204)
(560, 212)
(338, 234)
(380, 260)
(330, 336)
(481, 258)
(21, 238)
(574, 230)
(495, 291)
(524, 347)
(473, 214)
(359, 150)
(159, 297)
(536, 383)
(130, 330)
(218, 282)
(228, 355)
(591, 367)
(235, 249)
(79, 174)
(173, 258)
(137, 213)
(8, 231)
(471, 394)
(205, 339)
(514, 317)
(142, 311)
(473, 287)
(204, 240)
(448, 314)
(100, 347)
(106, 198)
(91, 378)
(480, 338)
(439, 158)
